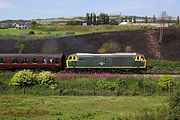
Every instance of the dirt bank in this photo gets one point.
(145, 42)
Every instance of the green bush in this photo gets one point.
(174, 104)
(163, 66)
(31, 32)
(24, 78)
(103, 85)
(46, 78)
(120, 85)
(166, 82)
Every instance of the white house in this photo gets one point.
(22, 26)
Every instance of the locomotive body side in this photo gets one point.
(106, 61)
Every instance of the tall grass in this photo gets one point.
(163, 66)
(91, 84)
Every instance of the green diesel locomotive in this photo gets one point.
(116, 61)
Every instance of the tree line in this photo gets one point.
(102, 19)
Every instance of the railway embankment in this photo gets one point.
(141, 41)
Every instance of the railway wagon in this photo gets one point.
(32, 61)
(115, 61)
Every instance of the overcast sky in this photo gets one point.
(33, 9)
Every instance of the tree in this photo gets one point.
(91, 18)
(146, 19)
(102, 18)
(177, 20)
(34, 23)
(130, 19)
(126, 18)
(94, 19)
(154, 19)
(98, 20)
(87, 18)
(134, 19)
(106, 19)
(113, 22)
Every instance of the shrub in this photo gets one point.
(46, 78)
(31, 32)
(120, 85)
(24, 78)
(166, 82)
(109, 47)
(21, 45)
(174, 104)
(103, 84)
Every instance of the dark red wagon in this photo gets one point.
(32, 61)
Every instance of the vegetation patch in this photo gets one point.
(163, 66)
(81, 107)
(23, 112)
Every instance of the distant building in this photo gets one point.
(22, 26)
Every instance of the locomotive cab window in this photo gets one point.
(74, 57)
(70, 57)
(142, 58)
(137, 58)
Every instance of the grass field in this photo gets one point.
(63, 31)
(75, 108)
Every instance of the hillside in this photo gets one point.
(141, 41)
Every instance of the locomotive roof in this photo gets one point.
(30, 55)
(107, 54)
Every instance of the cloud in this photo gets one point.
(5, 5)
(170, 1)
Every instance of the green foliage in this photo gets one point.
(166, 82)
(104, 84)
(21, 45)
(87, 85)
(21, 107)
(174, 104)
(113, 22)
(177, 20)
(73, 22)
(120, 85)
(34, 23)
(46, 78)
(24, 78)
(163, 66)
(31, 32)
(27, 78)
